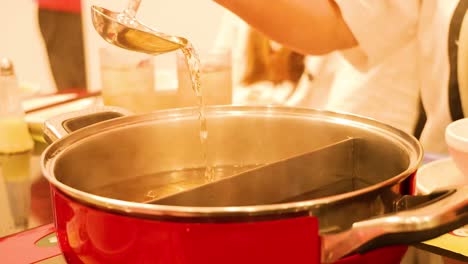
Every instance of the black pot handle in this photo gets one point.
(444, 214)
(62, 125)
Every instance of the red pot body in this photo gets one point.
(90, 235)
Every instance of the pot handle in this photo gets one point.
(440, 216)
(59, 126)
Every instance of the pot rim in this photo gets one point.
(54, 151)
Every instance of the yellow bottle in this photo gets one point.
(16, 147)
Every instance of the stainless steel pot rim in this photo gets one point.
(53, 151)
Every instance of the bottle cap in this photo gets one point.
(6, 67)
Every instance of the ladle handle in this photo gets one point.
(59, 126)
(436, 218)
(132, 8)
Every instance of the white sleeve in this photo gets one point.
(380, 26)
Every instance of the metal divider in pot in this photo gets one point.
(302, 177)
(377, 159)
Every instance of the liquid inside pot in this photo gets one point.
(152, 187)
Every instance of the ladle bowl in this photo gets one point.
(125, 31)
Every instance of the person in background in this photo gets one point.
(376, 41)
(60, 23)
(323, 81)
(379, 40)
(263, 71)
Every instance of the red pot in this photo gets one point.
(93, 228)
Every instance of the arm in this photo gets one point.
(307, 26)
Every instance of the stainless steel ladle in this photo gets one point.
(124, 30)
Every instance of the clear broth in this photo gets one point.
(147, 188)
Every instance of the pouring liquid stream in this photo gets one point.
(193, 63)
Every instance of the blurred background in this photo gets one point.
(196, 20)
